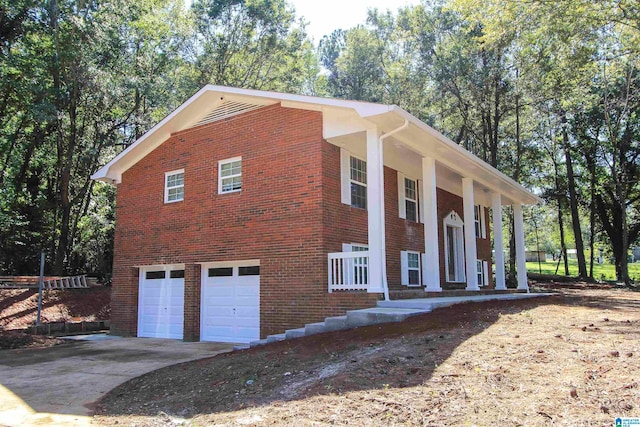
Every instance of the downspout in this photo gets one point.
(385, 284)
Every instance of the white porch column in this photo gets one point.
(431, 260)
(375, 212)
(518, 229)
(470, 252)
(498, 244)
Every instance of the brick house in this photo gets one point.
(244, 213)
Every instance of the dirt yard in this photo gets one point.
(571, 359)
(19, 308)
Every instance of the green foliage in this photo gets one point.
(81, 80)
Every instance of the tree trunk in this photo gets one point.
(563, 245)
(592, 220)
(573, 201)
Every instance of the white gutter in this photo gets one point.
(385, 284)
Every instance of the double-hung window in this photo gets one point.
(174, 186)
(482, 271)
(353, 180)
(408, 198)
(230, 175)
(358, 176)
(411, 199)
(410, 266)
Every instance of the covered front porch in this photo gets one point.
(449, 264)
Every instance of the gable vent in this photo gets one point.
(225, 110)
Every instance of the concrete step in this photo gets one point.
(418, 304)
(276, 337)
(377, 315)
(314, 328)
(295, 333)
(386, 312)
(337, 323)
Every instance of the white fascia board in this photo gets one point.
(364, 109)
(524, 195)
(112, 171)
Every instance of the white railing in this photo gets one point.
(348, 271)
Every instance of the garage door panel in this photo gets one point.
(247, 312)
(246, 334)
(222, 319)
(247, 303)
(230, 308)
(224, 332)
(161, 306)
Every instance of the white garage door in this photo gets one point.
(161, 302)
(230, 304)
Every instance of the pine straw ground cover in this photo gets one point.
(571, 359)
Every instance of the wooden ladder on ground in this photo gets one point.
(22, 282)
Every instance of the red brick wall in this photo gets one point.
(288, 215)
(401, 234)
(448, 202)
(277, 217)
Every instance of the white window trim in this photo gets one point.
(482, 271)
(345, 176)
(167, 188)
(220, 177)
(453, 220)
(402, 198)
(404, 266)
(348, 247)
(353, 181)
(480, 222)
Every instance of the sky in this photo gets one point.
(324, 16)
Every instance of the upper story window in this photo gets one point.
(230, 175)
(174, 186)
(408, 198)
(478, 216)
(358, 174)
(411, 199)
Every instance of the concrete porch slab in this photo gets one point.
(431, 303)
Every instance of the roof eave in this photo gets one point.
(527, 197)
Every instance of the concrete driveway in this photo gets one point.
(58, 385)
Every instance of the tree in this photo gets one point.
(249, 43)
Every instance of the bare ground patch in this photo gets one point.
(565, 360)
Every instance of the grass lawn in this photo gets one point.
(600, 271)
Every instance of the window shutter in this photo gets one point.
(483, 224)
(402, 207)
(420, 200)
(404, 268)
(345, 176)
(486, 272)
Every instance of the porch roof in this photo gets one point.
(213, 103)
